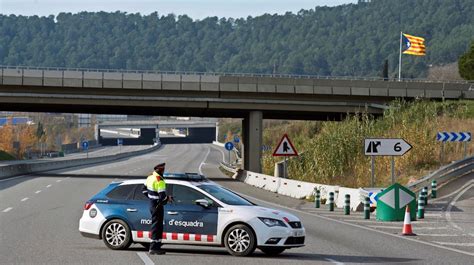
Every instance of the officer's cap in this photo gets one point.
(160, 166)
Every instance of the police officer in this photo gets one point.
(155, 189)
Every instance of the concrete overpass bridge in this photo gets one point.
(247, 96)
(196, 132)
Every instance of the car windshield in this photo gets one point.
(224, 195)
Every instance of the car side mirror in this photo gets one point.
(203, 202)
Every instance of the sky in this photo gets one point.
(196, 9)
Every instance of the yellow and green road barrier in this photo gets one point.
(366, 208)
(347, 204)
(434, 188)
(331, 201)
(317, 199)
(421, 206)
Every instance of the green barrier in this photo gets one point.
(366, 208)
(347, 204)
(317, 200)
(421, 207)
(434, 188)
(331, 201)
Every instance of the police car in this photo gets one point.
(202, 213)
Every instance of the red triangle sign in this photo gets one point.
(285, 148)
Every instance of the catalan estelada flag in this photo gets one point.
(415, 45)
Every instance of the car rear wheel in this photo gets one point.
(116, 234)
(272, 251)
(240, 240)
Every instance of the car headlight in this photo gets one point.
(272, 222)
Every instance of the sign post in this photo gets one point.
(285, 148)
(385, 147)
(85, 146)
(120, 143)
(229, 146)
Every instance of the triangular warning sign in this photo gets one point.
(285, 148)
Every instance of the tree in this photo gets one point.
(466, 64)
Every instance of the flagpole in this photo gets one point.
(400, 60)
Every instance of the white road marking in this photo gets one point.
(38, 191)
(204, 160)
(49, 186)
(452, 203)
(144, 257)
(24, 199)
(434, 214)
(59, 180)
(454, 192)
(441, 235)
(414, 228)
(456, 244)
(362, 227)
(7, 210)
(334, 261)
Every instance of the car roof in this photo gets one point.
(174, 178)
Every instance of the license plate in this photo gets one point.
(298, 233)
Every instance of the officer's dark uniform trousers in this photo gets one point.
(157, 215)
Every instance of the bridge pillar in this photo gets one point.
(252, 137)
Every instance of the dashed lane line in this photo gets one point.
(439, 235)
(38, 191)
(59, 180)
(415, 228)
(49, 186)
(452, 203)
(24, 199)
(7, 210)
(144, 257)
(334, 261)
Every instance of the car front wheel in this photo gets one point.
(240, 240)
(116, 234)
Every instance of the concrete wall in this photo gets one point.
(28, 168)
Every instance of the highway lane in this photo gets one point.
(43, 228)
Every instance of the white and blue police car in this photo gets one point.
(202, 213)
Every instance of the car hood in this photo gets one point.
(259, 211)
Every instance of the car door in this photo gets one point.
(194, 222)
(140, 214)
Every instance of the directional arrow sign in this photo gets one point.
(386, 147)
(453, 136)
(392, 202)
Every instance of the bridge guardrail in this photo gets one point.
(347, 78)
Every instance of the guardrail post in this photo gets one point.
(426, 195)
(434, 188)
(421, 206)
(331, 201)
(347, 204)
(366, 208)
(317, 199)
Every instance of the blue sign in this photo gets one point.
(266, 148)
(236, 139)
(453, 137)
(119, 141)
(85, 145)
(229, 146)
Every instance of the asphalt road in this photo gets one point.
(39, 221)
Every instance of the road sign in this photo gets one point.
(386, 147)
(119, 141)
(392, 201)
(236, 139)
(85, 145)
(453, 137)
(285, 148)
(266, 148)
(229, 146)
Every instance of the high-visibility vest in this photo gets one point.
(155, 184)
